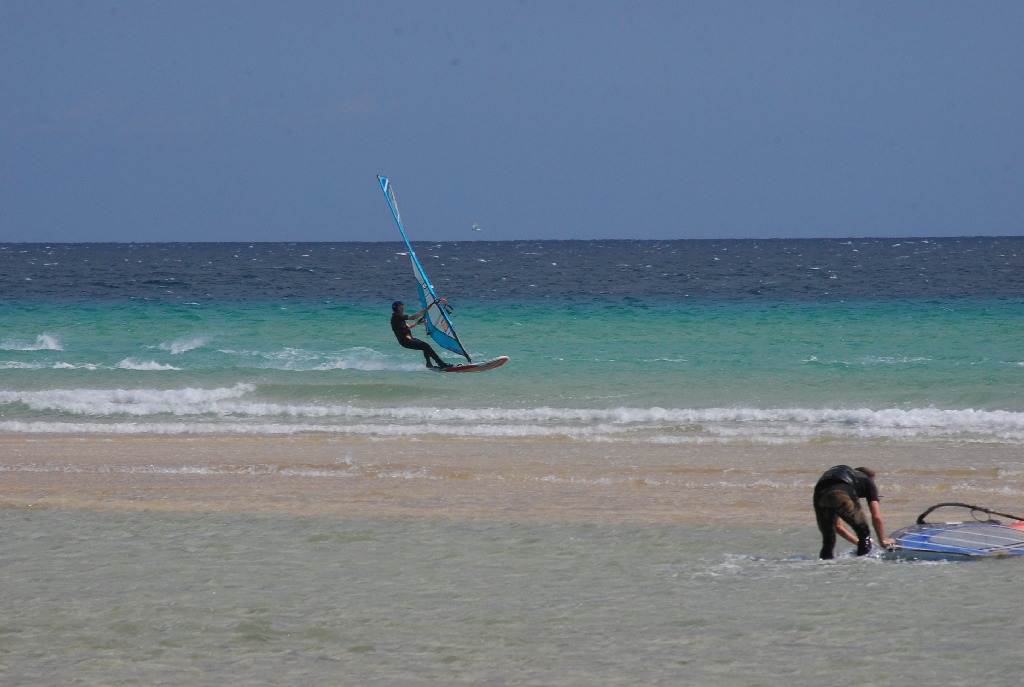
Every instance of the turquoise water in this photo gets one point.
(652, 371)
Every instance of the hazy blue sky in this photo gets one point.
(267, 121)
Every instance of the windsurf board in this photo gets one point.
(474, 367)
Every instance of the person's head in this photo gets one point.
(867, 471)
(397, 306)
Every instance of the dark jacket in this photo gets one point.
(856, 483)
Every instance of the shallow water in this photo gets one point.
(247, 561)
(153, 598)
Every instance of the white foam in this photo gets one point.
(43, 342)
(240, 409)
(102, 403)
(184, 344)
(303, 360)
(144, 365)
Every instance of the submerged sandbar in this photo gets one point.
(492, 479)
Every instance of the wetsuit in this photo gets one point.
(836, 495)
(407, 340)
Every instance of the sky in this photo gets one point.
(223, 120)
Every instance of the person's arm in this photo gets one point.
(843, 532)
(419, 317)
(876, 520)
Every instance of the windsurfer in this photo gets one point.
(836, 499)
(404, 334)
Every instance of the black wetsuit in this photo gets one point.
(836, 495)
(407, 340)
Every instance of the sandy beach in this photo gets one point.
(502, 480)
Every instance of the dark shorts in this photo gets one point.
(839, 502)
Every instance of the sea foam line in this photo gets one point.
(704, 434)
(240, 401)
(238, 409)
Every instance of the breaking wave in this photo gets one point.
(243, 409)
(43, 342)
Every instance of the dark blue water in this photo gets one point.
(749, 270)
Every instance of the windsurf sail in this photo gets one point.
(960, 540)
(439, 324)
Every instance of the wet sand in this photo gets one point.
(505, 480)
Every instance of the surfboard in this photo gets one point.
(474, 367)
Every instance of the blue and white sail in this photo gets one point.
(439, 325)
(962, 539)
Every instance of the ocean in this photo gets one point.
(682, 341)
(218, 466)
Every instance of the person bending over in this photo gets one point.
(836, 501)
(404, 334)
